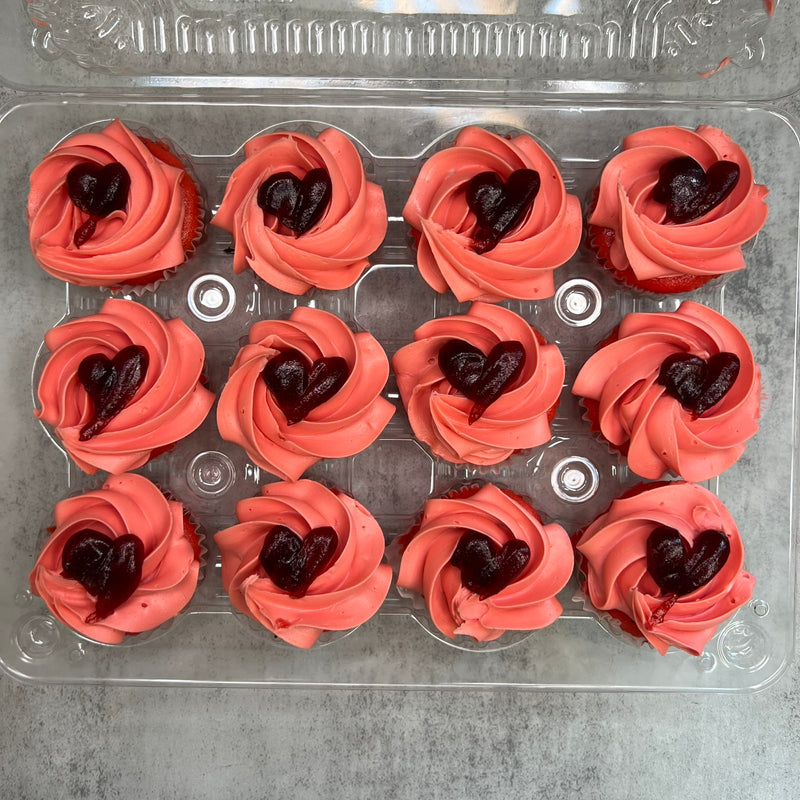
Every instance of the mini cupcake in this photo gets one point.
(675, 392)
(674, 208)
(485, 564)
(492, 218)
(665, 561)
(302, 212)
(121, 560)
(304, 559)
(110, 208)
(480, 386)
(304, 389)
(121, 386)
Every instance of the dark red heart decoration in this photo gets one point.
(111, 384)
(698, 384)
(689, 192)
(482, 379)
(486, 567)
(298, 204)
(680, 568)
(499, 206)
(97, 191)
(299, 386)
(109, 569)
(291, 562)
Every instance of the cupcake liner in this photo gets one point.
(325, 639)
(609, 623)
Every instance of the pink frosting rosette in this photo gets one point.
(346, 593)
(335, 251)
(440, 414)
(630, 228)
(344, 424)
(521, 265)
(133, 245)
(170, 403)
(633, 411)
(612, 553)
(126, 504)
(528, 602)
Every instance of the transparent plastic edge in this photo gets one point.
(41, 65)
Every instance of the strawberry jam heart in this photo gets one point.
(111, 384)
(292, 563)
(698, 384)
(97, 191)
(499, 206)
(299, 386)
(480, 378)
(680, 568)
(689, 192)
(485, 566)
(109, 569)
(298, 204)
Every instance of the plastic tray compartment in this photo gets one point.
(209, 644)
(543, 44)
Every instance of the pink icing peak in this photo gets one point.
(634, 412)
(344, 424)
(168, 405)
(521, 264)
(134, 244)
(643, 240)
(125, 504)
(347, 593)
(335, 251)
(612, 553)
(440, 415)
(528, 602)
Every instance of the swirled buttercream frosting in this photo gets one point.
(167, 404)
(441, 414)
(86, 229)
(451, 217)
(266, 196)
(283, 429)
(345, 590)
(628, 397)
(630, 225)
(167, 564)
(476, 586)
(623, 571)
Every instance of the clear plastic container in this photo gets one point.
(596, 46)
(570, 479)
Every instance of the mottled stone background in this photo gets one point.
(96, 742)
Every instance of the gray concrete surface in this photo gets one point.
(101, 742)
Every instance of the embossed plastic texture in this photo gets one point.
(571, 478)
(542, 44)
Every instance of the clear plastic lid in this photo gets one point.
(669, 47)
